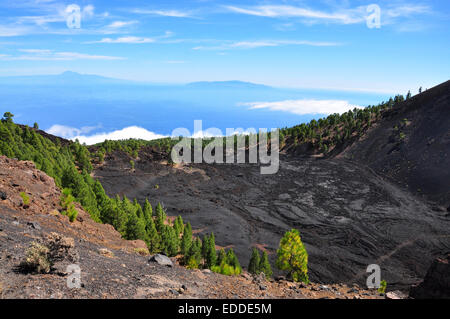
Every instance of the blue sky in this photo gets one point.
(313, 44)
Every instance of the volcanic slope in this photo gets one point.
(411, 145)
(352, 210)
(110, 266)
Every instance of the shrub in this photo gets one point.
(383, 285)
(25, 199)
(68, 206)
(72, 213)
(192, 263)
(61, 248)
(226, 269)
(142, 251)
(37, 259)
(106, 252)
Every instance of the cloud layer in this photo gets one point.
(71, 133)
(304, 107)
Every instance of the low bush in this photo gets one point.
(37, 259)
(25, 199)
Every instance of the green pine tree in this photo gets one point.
(210, 255)
(161, 217)
(178, 225)
(233, 261)
(148, 213)
(253, 266)
(170, 242)
(186, 240)
(222, 257)
(135, 228)
(264, 266)
(154, 239)
(195, 253)
(292, 256)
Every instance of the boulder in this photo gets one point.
(34, 225)
(161, 260)
(106, 252)
(436, 284)
(396, 295)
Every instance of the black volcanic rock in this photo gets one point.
(436, 284)
(419, 162)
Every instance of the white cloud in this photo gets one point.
(303, 107)
(128, 39)
(286, 11)
(134, 39)
(165, 13)
(341, 16)
(407, 10)
(88, 11)
(37, 51)
(121, 24)
(134, 132)
(13, 31)
(49, 55)
(69, 132)
(264, 43)
(59, 14)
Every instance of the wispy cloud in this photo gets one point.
(407, 10)
(165, 13)
(49, 55)
(264, 43)
(129, 39)
(286, 11)
(59, 14)
(303, 107)
(389, 14)
(121, 24)
(133, 39)
(13, 31)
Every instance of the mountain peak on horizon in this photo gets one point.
(226, 84)
(65, 73)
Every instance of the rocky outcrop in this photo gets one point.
(436, 284)
(162, 260)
